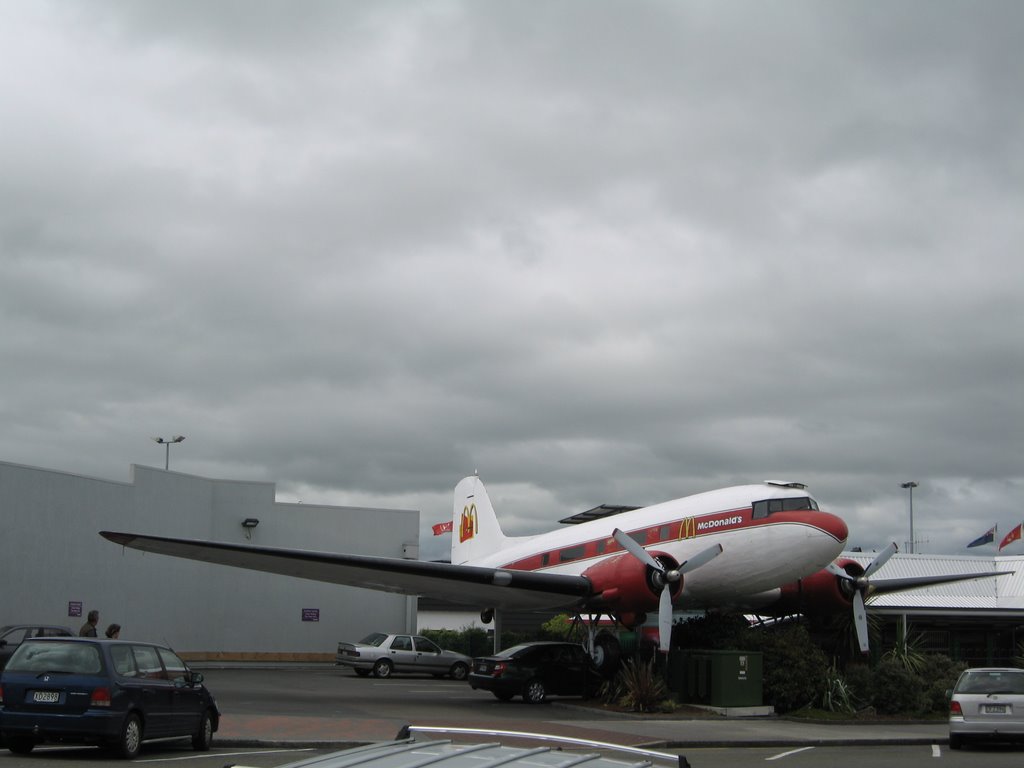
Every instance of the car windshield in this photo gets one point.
(70, 658)
(992, 681)
(374, 638)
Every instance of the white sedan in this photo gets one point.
(384, 654)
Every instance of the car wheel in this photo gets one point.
(20, 745)
(129, 742)
(382, 668)
(363, 672)
(202, 738)
(955, 741)
(459, 671)
(534, 692)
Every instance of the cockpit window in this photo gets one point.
(770, 506)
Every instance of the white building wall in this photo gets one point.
(53, 556)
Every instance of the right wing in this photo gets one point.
(475, 585)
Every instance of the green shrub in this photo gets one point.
(858, 679)
(897, 690)
(795, 669)
(837, 696)
(713, 632)
(939, 674)
(641, 687)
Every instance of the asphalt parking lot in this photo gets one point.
(272, 717)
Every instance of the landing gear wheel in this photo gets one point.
(202, 738)
(534, 692)
(129, 742)
(459, 671)
(382, 668)
(607, 654)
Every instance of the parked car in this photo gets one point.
(987, 703)
(384, 654)
(11, 636)
(116, 693)
(536, 671)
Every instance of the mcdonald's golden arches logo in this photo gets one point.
(687, 528)
(468, 525)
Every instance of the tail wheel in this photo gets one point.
(534, 692)
(382, 668)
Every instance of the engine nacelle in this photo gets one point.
(820, 593)
(626, 587)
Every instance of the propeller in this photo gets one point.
(862, 587)
(666, 577)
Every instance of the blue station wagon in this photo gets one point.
(115, 693)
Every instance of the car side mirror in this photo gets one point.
(196, 678)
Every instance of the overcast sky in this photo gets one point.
(597, 251)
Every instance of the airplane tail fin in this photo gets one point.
(475, 529)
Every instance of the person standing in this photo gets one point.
(89, 628)
(114, 631)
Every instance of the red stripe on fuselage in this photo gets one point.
(682, 529)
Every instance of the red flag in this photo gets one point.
(1012, 536)
(442, 528)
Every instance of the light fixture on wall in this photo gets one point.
(249, 523)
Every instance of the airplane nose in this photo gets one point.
(834, 526)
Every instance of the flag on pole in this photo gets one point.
(986, 538)
(442, 528)
(1012, 536)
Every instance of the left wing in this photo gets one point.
(485, 587)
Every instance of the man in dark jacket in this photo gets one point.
(89, 628)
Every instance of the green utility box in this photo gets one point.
(717, 678)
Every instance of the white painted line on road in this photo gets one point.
(936, 751)
(787, 754)
(193, 755)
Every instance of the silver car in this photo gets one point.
(987, 703)
(384, 654)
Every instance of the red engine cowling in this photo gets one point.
(820, 593)
(626, 587)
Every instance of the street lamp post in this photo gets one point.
(167, 447)
(910, 486)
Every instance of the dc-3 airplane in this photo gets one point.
(764, 548)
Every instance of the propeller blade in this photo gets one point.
(632, 546)
(860, 621)
(701, 558)
(835, 570)
(880, 559)
(665, 619)
(881, 586)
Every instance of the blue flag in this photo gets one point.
(986, 538)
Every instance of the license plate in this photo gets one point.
(995, 709)
(46, 697)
